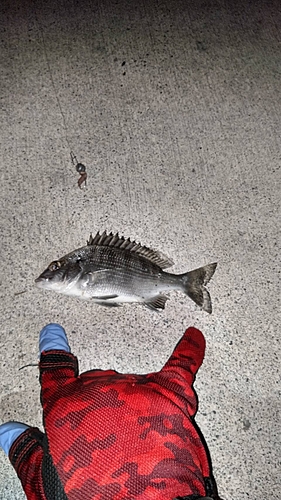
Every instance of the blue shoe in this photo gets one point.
(9, 432)
(53, 337)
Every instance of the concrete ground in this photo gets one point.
(174, 107)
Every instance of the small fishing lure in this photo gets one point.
(80, 168)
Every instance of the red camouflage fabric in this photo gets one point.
(120, 437)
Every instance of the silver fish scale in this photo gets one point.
(124, 274)
(112, 258)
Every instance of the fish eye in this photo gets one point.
(54, 266)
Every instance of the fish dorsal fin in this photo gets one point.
(114, 240)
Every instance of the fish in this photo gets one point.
(111, 270)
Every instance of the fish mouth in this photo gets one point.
(46, 276)
(41, 280)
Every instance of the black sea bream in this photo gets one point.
(111, 270)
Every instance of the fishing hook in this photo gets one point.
(80, 168)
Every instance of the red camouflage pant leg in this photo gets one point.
(58, 378)
(181, 368)
(29, 454)
(178, 373)
(26, 455)
(177, 377)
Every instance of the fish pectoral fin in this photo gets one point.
(93, 278)
(157, 302)
(104, 297)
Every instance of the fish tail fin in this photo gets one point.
(194, 285)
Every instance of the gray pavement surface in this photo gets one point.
(174, 107)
